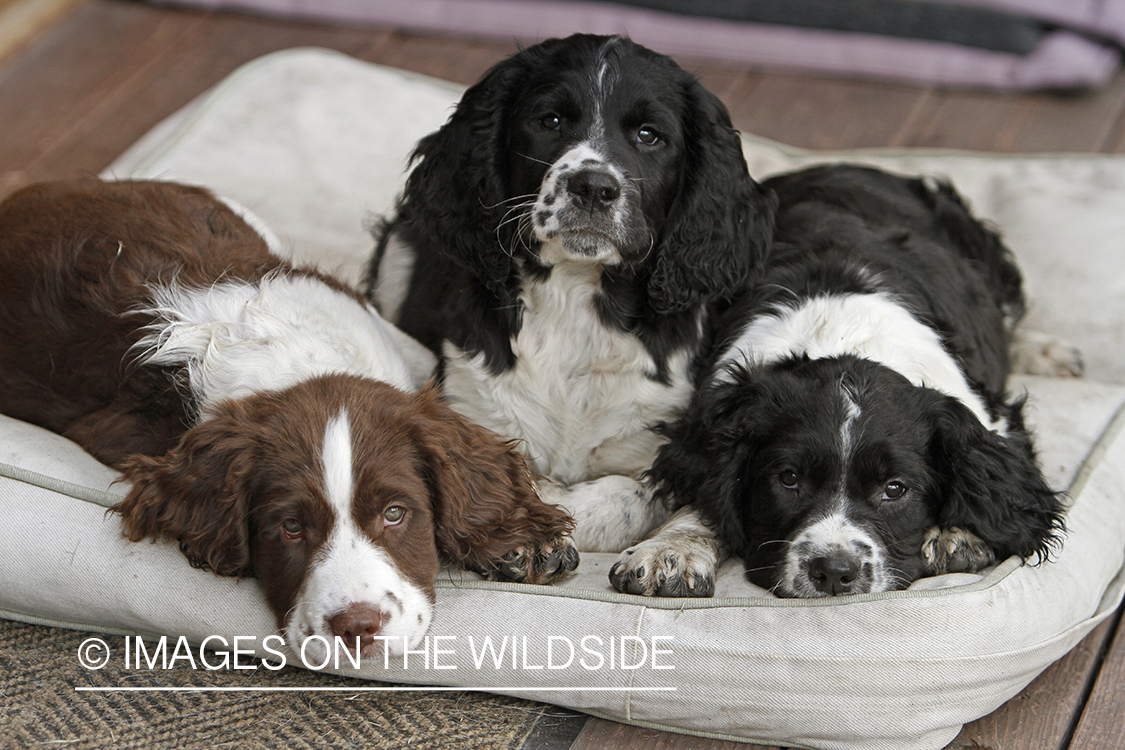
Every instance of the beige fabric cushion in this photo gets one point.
(314, 143)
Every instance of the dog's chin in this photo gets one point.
(579, 247)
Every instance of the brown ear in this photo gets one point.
(197, 494)
(486, 503)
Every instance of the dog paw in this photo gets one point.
(1037, 353)
(955, 550)
(539, 563)
(655, 568)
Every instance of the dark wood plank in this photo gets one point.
(445, 56)
(1041, 717)
(1115, 143)
(71, 72)
(177, 56)
(1102, 724)
(21, 20)
(1037, 122)
(828, 113)
(608, 735)
(729, 84)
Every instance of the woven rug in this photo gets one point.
(41, 707)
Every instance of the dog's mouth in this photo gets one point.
(589, 243)
(579, 245)
(838, 573)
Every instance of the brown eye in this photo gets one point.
(292, 529)
(393, 515)
(894, 490)
(551, 122)
(788, 479)
(647, 136)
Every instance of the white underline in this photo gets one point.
(357, 689)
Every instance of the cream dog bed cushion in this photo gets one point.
(315, 143)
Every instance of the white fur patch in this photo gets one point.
(351, 569)
(872, 326)
(337, 463)
(610, 512)
(393, 282)
(238, 338)
(581, 396)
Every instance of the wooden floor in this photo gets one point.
(75, 93)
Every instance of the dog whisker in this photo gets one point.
(532, 158)
(529, 197)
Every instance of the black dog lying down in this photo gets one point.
(854, 433)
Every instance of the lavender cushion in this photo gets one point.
(1072, 52)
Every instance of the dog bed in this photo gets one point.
(315, 143)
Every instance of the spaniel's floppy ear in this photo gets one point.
(720, 225)
(198, 495)
(454, 197)
(486, 504)
(707, 449)
(991, 485)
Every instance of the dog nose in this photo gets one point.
(359, 621)
(594, 188)
(834, 574)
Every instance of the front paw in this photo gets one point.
(1038, 353)
(533, 563)
(955, 550)
(656, 568)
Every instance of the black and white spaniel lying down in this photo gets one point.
(561, 242)
(264, 414)
(854, 433)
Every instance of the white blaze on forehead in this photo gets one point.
(848, 427)
(349, 567)
(605, 76)
(337, 462)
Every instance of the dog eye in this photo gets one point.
(788, 479)
(393, 515)
(894, 490)
(292, 529)
(551, 122)
(647, 136)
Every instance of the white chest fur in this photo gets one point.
(581, 396)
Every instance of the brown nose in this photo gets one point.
(360, 620)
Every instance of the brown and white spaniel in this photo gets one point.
(264, 414)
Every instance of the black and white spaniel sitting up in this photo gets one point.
(854, 433)
(562, 243)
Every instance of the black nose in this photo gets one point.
(594, 189)
(834, 574)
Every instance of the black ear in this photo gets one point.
(454, 197)
(720, 226)
(991, 484)
(708, 448)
